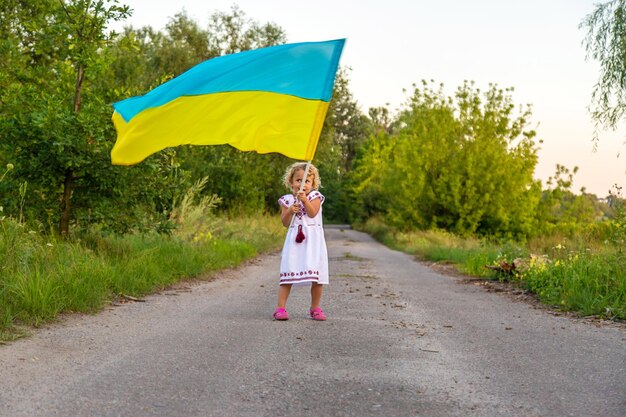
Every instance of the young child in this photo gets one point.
(304, 259)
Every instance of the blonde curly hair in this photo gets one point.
(291, 171)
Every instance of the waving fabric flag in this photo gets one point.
(265, 100)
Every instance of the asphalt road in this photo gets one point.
(400, 340)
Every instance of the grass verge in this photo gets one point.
(40, 279)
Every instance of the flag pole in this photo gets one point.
(306, 173)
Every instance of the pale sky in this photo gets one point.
(531, 45)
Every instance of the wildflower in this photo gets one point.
(10, 167)
(49, 244)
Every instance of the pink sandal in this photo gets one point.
(317, 314)
(281, 314)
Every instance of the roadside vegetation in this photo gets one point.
(449, 177)
(43, 277)
(584, 273)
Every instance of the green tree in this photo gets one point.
(345, 130)
(462, 163)
(562, 209)
(53, 121)
(232, 32)
(605, 42)
(370, 177)
(143, 58)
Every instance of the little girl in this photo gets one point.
(304, 259)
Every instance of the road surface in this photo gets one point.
(400, 340)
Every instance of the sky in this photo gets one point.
(534, 46)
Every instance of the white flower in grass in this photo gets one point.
(49, 244)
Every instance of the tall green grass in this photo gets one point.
(39, 279)
(469, 255)
(584, 273)
(591, 284)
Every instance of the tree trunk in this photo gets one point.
(68, 183)
(80, 76)
(66, 211)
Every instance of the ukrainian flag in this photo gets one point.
(266, 100)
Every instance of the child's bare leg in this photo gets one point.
(316, 294)
(283, 294)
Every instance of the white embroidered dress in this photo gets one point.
(305, 262)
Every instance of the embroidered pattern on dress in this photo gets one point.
(289, 199)
(301, 211)
(301, 273)
(299, 276)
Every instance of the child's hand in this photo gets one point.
(301, 196)
(295, 208)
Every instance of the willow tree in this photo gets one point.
(605, 42)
